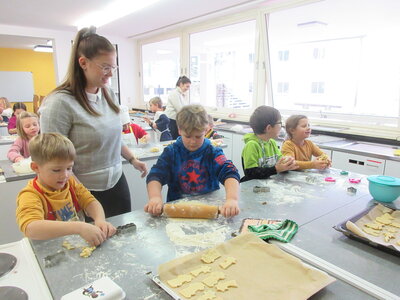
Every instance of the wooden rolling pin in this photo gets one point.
(190, 210)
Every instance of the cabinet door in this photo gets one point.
(356, 163)
(392, 168)
(237, 148)
(228, 139)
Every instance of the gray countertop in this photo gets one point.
(10, 174)
(301, 196)
(347, 145)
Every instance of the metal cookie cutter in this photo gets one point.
(351, 190)
(261, 189)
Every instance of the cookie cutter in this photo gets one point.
(261, 189)
(330, 179)
(311, 179)
(351, 190)
(344, 173)
(354, 180)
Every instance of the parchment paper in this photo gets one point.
(377, 211)
(262, 271)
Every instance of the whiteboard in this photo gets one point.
(16, 86)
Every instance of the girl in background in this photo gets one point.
(5, 109)
(160, 122)
(27, 128)
(297, 146)
(18, 108)
(176, 100)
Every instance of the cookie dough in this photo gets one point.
(388, 236)
(208, 295)
(210, 256)
(225, 285)
(181, 279)
(395, 224)
(87, 251)
(391, 230)
(371, 231)
(375, 226)
(383, 220)
(323, 157)
(154, 149)
(227, 262)
(67, 245)
(202, 269)
(213, 279)
(192, 289)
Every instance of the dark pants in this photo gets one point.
(116, 200)
(173, 128)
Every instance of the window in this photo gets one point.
(160, 65)
(344, 65)
(222, 66)
(283, 87)
(283, 55)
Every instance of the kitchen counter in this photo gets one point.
(10, 174)
(301, 196)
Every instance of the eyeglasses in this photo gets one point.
(107, 69)
(278, 123)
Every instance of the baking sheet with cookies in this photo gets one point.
(379, 225)
(245, 267)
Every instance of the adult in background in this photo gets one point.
(84, 109)
(176, 100)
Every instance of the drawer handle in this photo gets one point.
(352, 161)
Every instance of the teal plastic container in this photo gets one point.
(384, 188)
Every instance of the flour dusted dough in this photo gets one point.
(388, 236)
(202, 269)
(87, 251)
(192, 289)
(67, 245)
(227, 262)
(210, 256)
(154, 149)
(181, 279)
(371, 231)
(225, 285)
(213, 279)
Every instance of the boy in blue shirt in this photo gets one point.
(192, 166)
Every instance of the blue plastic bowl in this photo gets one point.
(384, 188)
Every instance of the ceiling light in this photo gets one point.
(43, 48)
(112, 12)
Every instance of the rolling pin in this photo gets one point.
(190, 210)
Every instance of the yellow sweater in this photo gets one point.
(32, 206)
(302, 154)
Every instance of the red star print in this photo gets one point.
(193, 177)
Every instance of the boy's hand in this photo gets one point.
(141, 166)
(19, 159)
(154, 206)
(320, 164)
(147, 120)
(230, 208)
(108, 229)
(91, 234)
(286, 163)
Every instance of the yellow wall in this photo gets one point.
(40, 64)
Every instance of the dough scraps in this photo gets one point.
(224, 285)
(371, 231)
(154, 149)
(227, 262)
(388, 236)
(87, 251)
(67, 245)
(181, 279)
(202, 269)
(192, 289)
(210, 256)
(213, 279)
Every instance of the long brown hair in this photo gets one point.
(89, 44)
(292, 122)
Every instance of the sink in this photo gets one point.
(371, 148)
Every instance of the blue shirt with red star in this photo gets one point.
(192, 173)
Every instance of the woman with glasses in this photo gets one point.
(84, 109)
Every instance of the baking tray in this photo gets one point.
(341, 227)
(156, 280)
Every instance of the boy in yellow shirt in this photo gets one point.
(54, 196)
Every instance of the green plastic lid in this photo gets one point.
(385, 180)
